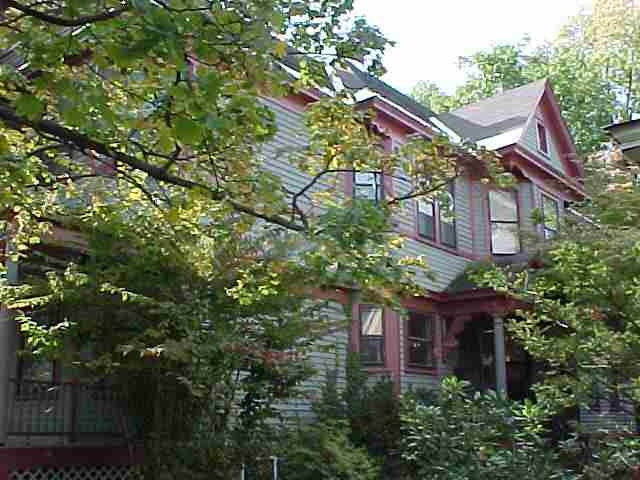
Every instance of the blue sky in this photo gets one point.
(432, 34)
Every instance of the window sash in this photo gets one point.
(505, 238)
(368, 186)
(448, 221)
(550, 220)
(371, 320)
(420, 341)
(504, 221)
(503, 206)
(426, 219)
(543, 141)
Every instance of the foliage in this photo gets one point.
(591, 64)
(370, 411)
(465, 436)
(324, 451)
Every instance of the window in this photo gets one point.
(368, 186)
(448, 220)
(543, 144)
(551, 216)
(420, 340)
(444, 211)
(427, 219)
(503, 214)
(371, 334)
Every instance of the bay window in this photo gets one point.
(371, 334)
(420, 333)
(503, 215)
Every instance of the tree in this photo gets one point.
(136, 129)
(582, 290)
(591, 65)
(431, 96)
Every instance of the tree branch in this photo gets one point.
(65, 22)
(83, 142)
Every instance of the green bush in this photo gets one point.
(324, 452)
(465, 436)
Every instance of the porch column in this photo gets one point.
(7, 354)
(499, 354)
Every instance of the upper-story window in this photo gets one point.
(551, 216)
(447, 219)
(371, 334)
(503, 215)
(368, 186)
(429, 210)
(543, 141)
(420, 333)
(427, 218)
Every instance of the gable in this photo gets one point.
(560, 149)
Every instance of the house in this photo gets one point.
(49, 423)
(627, 136)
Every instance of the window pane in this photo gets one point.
(365, 192)
(367, 185)
(37, 369)
(426, 220)
(419, 326)
(542, 139)
(505, 239)
(550, 210)
(371, 321)
(372, 350)
(365, 178)
(503, 206)
(420, 353)
(448, 234)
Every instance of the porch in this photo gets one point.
(60, 413)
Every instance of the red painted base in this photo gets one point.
(28, 457)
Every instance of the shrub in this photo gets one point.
(323, 451)
(476, 436)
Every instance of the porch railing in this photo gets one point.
(72, 410)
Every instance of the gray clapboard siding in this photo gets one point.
(445, 266)
(412, 382)
(330, 355)
(463, 215)
(281, 154)
(607, 421)
(480, 218)
(529, 139)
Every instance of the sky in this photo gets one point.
(431, 35)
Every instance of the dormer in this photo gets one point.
(524, 125)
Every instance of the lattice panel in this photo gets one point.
(102, 472)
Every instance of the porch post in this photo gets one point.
(7, 353)
(499, 353)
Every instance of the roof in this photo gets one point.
(356, 79)
(496, 115)
(619, 125)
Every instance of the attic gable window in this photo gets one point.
(503, 216)
(368, 186)
(543, 143)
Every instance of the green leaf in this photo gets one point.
(29, 106)
(187, 131)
